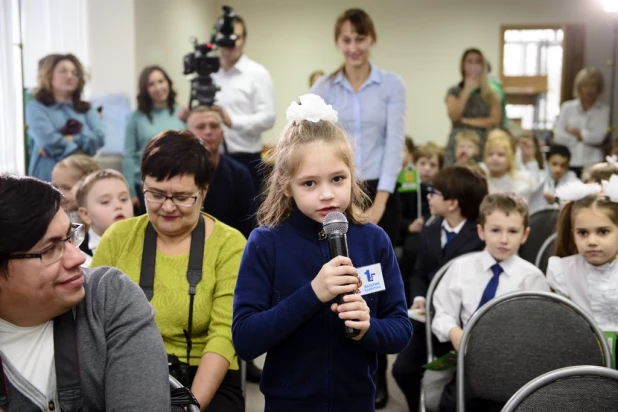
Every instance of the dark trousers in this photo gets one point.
(408, 367)
(229, 397)
(408, 372)
(392, 212)
(411, 246)
(253, 161)
(390, 224)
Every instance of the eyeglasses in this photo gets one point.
(55, 252)
(66, 72)
(178, 200)
(433, 192)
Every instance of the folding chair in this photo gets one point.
(182, 397)
(519, 336)
(571, 389)
(432, 378)
(542, 226)
(546, 251)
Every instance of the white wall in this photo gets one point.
(162, 32)
(422, 40)
(111, 47)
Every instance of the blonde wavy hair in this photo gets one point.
(588, 75)
(487, 93)
(502, 139)
(288, 153)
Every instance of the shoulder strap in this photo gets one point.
(149, 257)
(194, 275)
(68, 384)
(4, 390)
(70, 394)
(194, 271)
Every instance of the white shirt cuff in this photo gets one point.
(419, 299)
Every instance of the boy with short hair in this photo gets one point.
(477, 278)
(467, 147)
(558, 174)
(102, 198)
(454, 198)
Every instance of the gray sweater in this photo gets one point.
(122, 360)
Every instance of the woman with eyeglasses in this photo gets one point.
(186, 262)
(59, 122)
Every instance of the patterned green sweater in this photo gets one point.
(121, 247)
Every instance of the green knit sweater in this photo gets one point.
(121, 247)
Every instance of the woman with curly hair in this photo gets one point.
(59, 122)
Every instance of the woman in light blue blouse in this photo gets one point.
(156, 111)
(371, 104)
(59, 122)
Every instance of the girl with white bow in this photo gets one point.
(584, 267)
(284, 301)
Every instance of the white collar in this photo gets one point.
(455, 229)
(607, 267)
(93, 240)
(487, 261)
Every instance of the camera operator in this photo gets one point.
(245, 102)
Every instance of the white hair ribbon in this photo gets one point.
(577, 190)
(311, 108)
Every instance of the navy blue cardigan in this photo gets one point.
(310, 366)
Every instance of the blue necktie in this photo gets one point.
(492, 285)
(449, 236)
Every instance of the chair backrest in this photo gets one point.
(242, 365)
(546, 251)
(570, 389)
(429, 304)
(542, 225)
(519, 336)
(182, 398)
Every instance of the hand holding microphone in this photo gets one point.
(338, 278)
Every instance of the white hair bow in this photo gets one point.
(577, 190)
(610, 188)
(312, 108)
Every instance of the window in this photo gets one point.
(12, 153)
(530, 53)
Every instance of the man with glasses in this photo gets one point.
(69, 335)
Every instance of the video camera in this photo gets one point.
(203, 61)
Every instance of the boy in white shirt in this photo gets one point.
(558, 164)
(475, 279)
(102, 198)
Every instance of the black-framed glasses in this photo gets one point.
(433, 192)
(55, 251)
(178, 200)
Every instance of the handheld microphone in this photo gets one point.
(335, 227)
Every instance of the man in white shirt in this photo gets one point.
(476, 278)
(245, 102)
